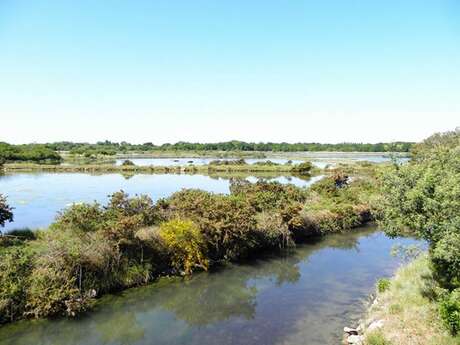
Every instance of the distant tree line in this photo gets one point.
(28, 153)
(110, 148)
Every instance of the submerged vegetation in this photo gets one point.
(92, 249)
(422, 198)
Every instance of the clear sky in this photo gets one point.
(214, 70)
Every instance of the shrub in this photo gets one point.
(304, 168)
(80, 217)
(15, 266)
(226, 221)
(185, 244)
(445, 260)
(264, 195)
(127, 162)
(449, 310)
(6, 211)
(272, 231)
(383, 284)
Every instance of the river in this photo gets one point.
(304, 297)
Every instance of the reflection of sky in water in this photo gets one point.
(305, 297)
(319, 160)
(37, 197)
(197, 161)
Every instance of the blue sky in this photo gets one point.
(163, 71)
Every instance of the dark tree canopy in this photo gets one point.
(6, 214)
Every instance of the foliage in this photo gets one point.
(15, 266)
(449, 310)
(108, 147)
(423, 198)
(28, 153)
(226, 222)
(304, 168)
(92, 249)
(6, 211)
(127, 162)
(383, 284)
(445, 260)
(185, 244)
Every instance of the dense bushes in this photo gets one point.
(304, 168)
(185, 244)
(92, 249)
(423, 197)
(449, 310)
(6, 212)
(234, 145)
(28, 153)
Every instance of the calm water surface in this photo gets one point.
(318, 159)
(37, 197)
(305, 297)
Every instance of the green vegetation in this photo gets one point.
(6, 212)
(423, 198)
(129, 167)
(377, 338)
(409, 312)
(92, 249)
(108, 147)
(383, 284)
(28, 153)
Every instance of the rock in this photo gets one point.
(351, 331)
(375, 325)
(355, 340)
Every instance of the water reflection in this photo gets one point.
(302, 297)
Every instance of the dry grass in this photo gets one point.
(409, 317)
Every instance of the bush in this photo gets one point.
(304, 168)
(383, 284)
(6, 211)
(80, 217)
(127, 162)
(449, 310)
(445, 260)
(264, 196)
(15, 266)
(185, 244)
(272, 231)
(226, 221)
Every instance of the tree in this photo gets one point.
(6, 211)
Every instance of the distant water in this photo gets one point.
(318, 158)
(37, 197)
(304, 297)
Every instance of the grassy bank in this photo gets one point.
(94, 168)
(409, 315)
(94, 249)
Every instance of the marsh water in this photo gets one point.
(305, 296)
(320, 159)
(37, 197)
